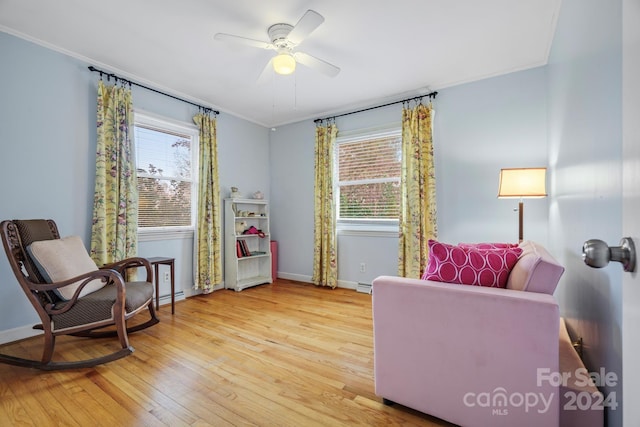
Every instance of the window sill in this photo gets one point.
(154, 234)
(368, 229)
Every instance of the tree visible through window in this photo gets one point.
(369, 176)
(165, 179)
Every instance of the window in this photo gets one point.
(166, 164)
(368, 171)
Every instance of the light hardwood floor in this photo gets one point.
(287, 354)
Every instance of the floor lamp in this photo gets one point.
(522, 183)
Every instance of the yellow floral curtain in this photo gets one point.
(208, 244)
(418, 186)
(115, 206)
(325, 254)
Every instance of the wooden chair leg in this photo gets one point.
(152, 312)
(121, 325)
(49, 344)
(121, 328)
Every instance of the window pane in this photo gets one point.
(163, 203)
(163, 153)
(376, 158)
(378, 200)
(369, 177)
(163, 160)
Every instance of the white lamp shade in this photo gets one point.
(284, 63)
(522, 182)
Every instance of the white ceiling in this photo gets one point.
(387, 50)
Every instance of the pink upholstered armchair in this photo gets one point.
(468, 354)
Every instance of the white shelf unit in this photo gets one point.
(242, 272)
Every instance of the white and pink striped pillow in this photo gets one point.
(469, 265)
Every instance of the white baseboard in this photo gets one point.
(365, 288)
(294, 277)
(347, 284)
(166, 299)
(189, 292)
(307, 279)
(18, 333)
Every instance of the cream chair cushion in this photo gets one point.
(62, 259)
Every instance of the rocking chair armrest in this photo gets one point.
(123, 265)
(107, 276)
(104, 275)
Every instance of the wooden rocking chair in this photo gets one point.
(80, 314)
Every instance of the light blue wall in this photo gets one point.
(479, 128)
(46, 113)
(291, 159)
(292, 175)
(585, 146)
(48, 139)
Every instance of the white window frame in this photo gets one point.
(371, 226)
(160, 123)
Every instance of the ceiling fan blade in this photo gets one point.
(242, 40)
(267, 73)
(317, 64)
(305, 26)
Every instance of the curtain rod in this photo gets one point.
(429, 95)
(206, 109)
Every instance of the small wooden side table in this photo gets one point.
(155, 262)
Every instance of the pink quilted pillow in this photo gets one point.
(470, 266)
(488, 245)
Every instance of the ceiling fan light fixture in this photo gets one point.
(284, 63)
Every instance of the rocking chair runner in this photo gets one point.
(79, 315)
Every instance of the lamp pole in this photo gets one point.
(520, 220)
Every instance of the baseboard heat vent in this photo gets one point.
(364, 288)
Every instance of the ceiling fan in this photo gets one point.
(284, 39)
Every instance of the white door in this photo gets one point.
(631, 209)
